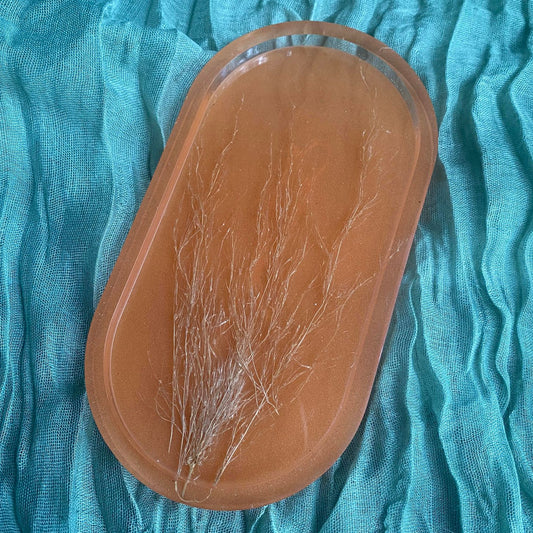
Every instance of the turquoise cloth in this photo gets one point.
(89, 91)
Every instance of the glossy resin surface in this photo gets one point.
(233, 352)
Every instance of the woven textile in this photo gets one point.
(89, 92)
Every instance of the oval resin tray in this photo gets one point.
(232, 355)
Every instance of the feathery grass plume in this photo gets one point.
(242, 314)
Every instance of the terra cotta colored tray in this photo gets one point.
(232, 354)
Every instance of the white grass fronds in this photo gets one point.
(243, 317)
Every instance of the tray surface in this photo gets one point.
(233, 352)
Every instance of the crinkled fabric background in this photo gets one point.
(89, 91)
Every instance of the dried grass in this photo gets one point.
(241, 315)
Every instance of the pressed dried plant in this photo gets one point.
(242, 314)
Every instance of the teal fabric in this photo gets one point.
(89, 91)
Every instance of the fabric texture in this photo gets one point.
(89, 92)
